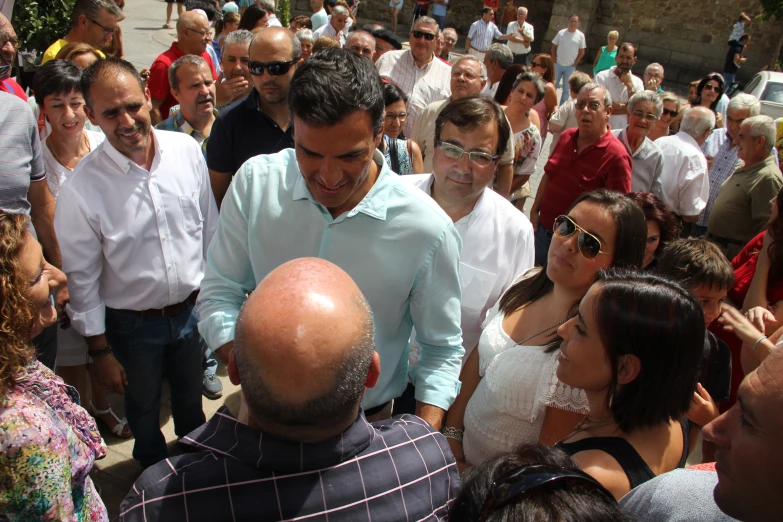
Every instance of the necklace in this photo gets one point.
(526, 339)
(57, 157)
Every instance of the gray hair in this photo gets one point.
(267, 5)
(745, 101)
(647, 96)
(240, 36)
(304, 35)
(188, 59)
(502, 54)
(762, 127)
(91, 9)
(670, 97)
(456, 34)
(469, 57)
(427, 20)
(652, 65)
(697, 120)
(340, 10)
(593, 86)
(523, 9)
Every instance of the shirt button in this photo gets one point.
(331, 226)
(164, 238)
(169, 267)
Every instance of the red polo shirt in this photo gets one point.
(159, 77)
(606, 164)
(10, 86)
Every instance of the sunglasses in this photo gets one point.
(274, 68)
(527, 478)
(673, 114)
(710, 87)
(106, 30)
(536, 64)
(589, 245)
(421, 34)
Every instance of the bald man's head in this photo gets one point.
(302, 348)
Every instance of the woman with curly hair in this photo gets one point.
(662, 226)
(48, 443)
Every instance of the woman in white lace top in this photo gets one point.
(509, 389)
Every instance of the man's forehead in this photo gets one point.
(595, 94)
(467, 66)
(236, 49)
(425, 26)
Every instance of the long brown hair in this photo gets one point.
(547, 62)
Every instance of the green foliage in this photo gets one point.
(284, 11)
(38, 23)
(771, 8)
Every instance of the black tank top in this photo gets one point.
(634, 466)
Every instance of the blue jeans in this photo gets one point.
(542, 240)
(564, 72)
(149, 348)
(441, 19)
(729, 79)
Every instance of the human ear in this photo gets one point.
(628, 369)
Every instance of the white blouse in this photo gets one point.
(518, 383)
(56, 174)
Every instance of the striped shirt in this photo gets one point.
(399, 469)
(423, 85)
(482, 33)
(21, 161)
(725, 161)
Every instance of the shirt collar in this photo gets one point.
(769, 160)
(687, 138)
(183, 125)
(638, 151)
(176, 50)
(408, 56)
(125, 163)
(602, 142)
(225, 435)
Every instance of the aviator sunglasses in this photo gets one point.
(274, 68)
(589, 245)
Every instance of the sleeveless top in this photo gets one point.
(634, 466)
(527, 146)
(540, 108)
(606, 61)
(518, 383)
(396, 153)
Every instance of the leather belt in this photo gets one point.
(478, 50)
(166, 311)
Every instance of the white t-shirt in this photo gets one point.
(568, 46)
(527, 30)
(619, 93)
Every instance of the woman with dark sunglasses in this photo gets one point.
(709, 93)
(670, 117)
(634, 347)
(510, 394)
(544, 66)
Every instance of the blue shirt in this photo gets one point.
(318, 19)
(399, 247)
(439, 9)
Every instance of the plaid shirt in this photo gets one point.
(176, 122)
(725, 162)
(394, 470)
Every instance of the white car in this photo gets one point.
(768, 88)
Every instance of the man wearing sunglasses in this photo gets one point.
(621, 84)
(418, 72)
(261, 123)
(93, 22)
(334, 197)
(9, 43)
(192, 38)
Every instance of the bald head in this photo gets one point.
(275, 39)
(303, 345)
(189, 19)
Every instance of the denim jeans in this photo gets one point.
(150, 348)
(441, 19)
(564, 72)
(542, 239)
(729, 79)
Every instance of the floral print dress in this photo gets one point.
(48, 444)
(527, 147)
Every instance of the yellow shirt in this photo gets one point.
(51, 52)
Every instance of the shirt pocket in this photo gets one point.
(192, 219)
(476, 287)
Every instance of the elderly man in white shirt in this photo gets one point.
(520, 36)
(134, 221)
(335, 27)
(621, 84)
(684, 183)
(418, 72)
(497, 240)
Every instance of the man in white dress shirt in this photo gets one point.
(335, 27)
(621, 84)
(520, 36)
(497, 59)
(684, 182)
(136, 218)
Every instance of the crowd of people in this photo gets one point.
(340, 222)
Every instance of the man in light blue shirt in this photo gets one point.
(439, 12)
(319, 17)
(333, 197)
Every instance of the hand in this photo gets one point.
(703, 409)
(224, 351)
(733, 321)
(710, 162)
(763, 319)
(62, 298)
(110, 373)
(652, 85)
(229, 90)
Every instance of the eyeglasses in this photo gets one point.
(527, 478)
(274, 68)
(106, 30)
(589, 245)
(200, 33)
(593, 105)
(13, 41)
(482, 159)
(421, 34)
(710, 87)
(642, 116)
(673, 114)
(536, 64)
(390, 116)
(467, 75)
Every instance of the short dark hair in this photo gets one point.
(92, 10)
(744, 37)
(533, 78)
(334, 83)
(695, 262)
(506, 83)
(715, 77)
(111, 65)
(656, 210)
(56, 77)
(628, 45)
(662, 324)
(188, 59)
(303, 20)
(392, 94)
(251, 16)
(567, 500)
(469, 112)
(486, 10)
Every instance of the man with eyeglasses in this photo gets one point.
(261, 123)
(192, 38)
(621, 84)
(93, 22)
(9, 43)
(335, 28)
(653, 78)
(644, 109)
(334, 197)
(449, 40)
(721, 150)
(586, 158)
(420, 75)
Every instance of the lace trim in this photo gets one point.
(560, 395)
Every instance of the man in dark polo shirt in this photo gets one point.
(259, 123)
(586, 158)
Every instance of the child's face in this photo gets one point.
(710, 298)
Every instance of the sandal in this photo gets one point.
(120, 429)
(166, 26)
